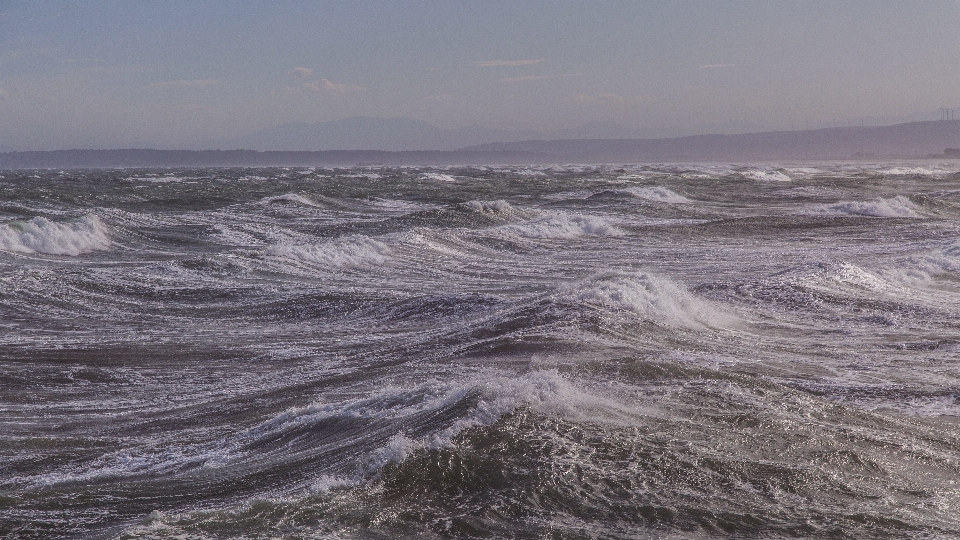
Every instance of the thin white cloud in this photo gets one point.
(538, 77)
(183, 83)
(327, 87)
(605, 98)
(524, 78)
(507, 63)
(302, 72)
(717, 66)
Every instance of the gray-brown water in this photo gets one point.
(557, 352)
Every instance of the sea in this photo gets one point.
(664, 351)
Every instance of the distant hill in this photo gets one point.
(365, 133)
(910, 140)
(130, 158)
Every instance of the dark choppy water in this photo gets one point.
(566, 352)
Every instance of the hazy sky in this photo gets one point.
(98, 74)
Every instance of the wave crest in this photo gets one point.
(350, 251)
(898, 206)
(40, 235)
(655, 299)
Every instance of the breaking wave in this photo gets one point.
(895, 207)
(655, 299)
(40, 235)
(563, 226)
(350, 251)
(657, 194)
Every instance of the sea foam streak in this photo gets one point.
(563, 226)
(350, 251)
(655, 299)
(657, 194)
(40, 235)
(893, 207)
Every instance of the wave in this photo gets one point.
(350, 251)
(431, 415)
(562, 226)
(40, 235)
(767, 176)
(911, 171)
(655, 299)
(295, 198)
(438, 177)
(657, 194)
(895, 207)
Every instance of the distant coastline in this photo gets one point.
(914, 140)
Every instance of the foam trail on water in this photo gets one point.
(656, 299)
(657, 194)
(563, 226)
(40, 235)
(350, 251)
(898, 206)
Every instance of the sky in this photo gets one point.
(173, 74)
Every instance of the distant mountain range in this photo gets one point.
(400, 134)
(909, 140)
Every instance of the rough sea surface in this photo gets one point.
(676, 351)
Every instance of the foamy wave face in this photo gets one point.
(910, 171)
(40, 235)
(767, 176)
(351, 251)
(655, 299)
(481, 400)
(295, 198)
(438, 177)
(562, 226)
(657, 194)
(898, 206)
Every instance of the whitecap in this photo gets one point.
(350, 251)
(767, 176)
(562, 226)
(655, 299)
(438, 177)
(898, 206)
(295, 198)
(40, 235)
(656, 194)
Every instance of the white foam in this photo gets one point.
(910, 171)
(350, 251)
(40, 235)
(438, 177)
(898, 206)
(656, 299)
(657, 194)
(851, 274)
(921, 270)
(159, 179)
(767, 176)
(562, 226)
(545, 392)
(488, 207)
(291, 197)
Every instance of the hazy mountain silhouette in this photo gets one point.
(909, 140)
(368, 133)
(405, 134)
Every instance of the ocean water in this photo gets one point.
(676, 351)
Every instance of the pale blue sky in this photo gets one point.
(172, 74)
